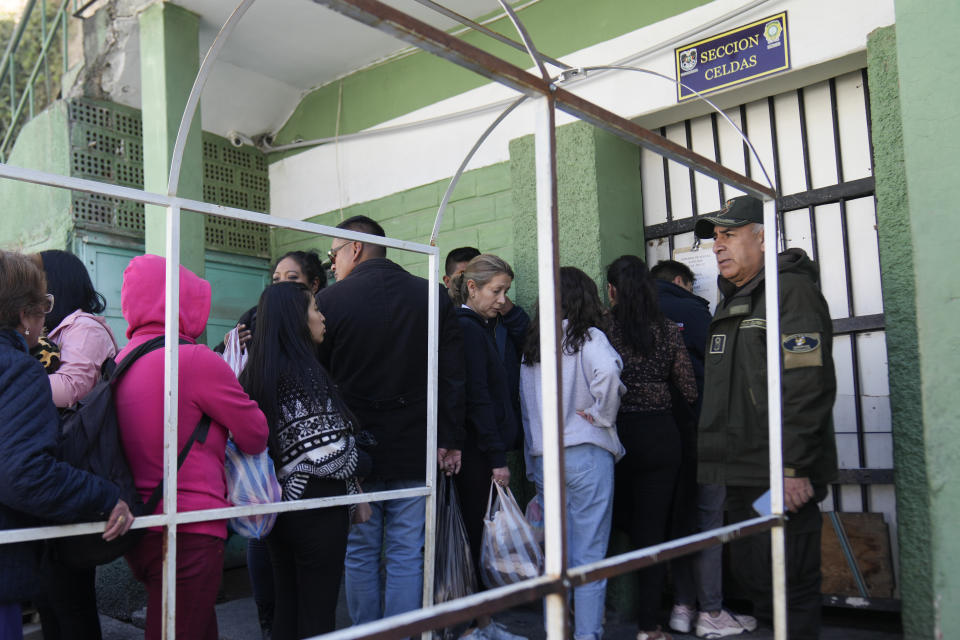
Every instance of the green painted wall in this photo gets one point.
(600, 218)
(598, 198)
(388, 90)
(34, 217)
(900, 312)
(169, 61)
(478, 215)
(931, 128)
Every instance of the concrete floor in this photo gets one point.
(238, 621)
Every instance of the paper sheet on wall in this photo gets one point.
(704, 266)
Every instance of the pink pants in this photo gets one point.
(199, 569)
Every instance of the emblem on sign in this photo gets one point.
(688, 59)
(772, 31)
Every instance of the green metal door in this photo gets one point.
(236, 282)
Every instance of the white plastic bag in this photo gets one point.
(509, 551)
(233, 353)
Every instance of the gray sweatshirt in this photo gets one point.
(591, 383)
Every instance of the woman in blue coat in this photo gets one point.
(494, 330)
(35, 488)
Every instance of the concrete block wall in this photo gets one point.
(479, 214)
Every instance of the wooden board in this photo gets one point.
(869, 538)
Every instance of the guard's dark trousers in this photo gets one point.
(751, 563)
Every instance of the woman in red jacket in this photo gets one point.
(207, 386)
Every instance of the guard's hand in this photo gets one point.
(586, 416)
(120, 521)
(501, 475)
(796, 493)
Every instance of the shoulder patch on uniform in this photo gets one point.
(754, 323)
(801, 342)
(802, 350)
(717, 343)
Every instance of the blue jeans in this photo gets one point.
(588, 472)
(699, 578)
(396, 528)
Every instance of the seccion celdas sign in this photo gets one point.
(752, 51)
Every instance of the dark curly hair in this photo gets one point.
(310, 265)
(580, 307)
(636, 312)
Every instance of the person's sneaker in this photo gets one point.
(725, 624)
(681, 618)
(656, 634)
(497, 631)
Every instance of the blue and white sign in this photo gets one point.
(752, 51)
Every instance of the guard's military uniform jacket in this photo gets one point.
(732, 443)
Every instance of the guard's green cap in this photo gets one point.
(735, 213)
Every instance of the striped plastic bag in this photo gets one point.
(509, 551)
(251, 479)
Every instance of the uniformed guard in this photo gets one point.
(732, 438)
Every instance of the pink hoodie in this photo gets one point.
(207, 385)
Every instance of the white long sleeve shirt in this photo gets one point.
(591, 383)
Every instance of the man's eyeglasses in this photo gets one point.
(332, 254)
(49, 307)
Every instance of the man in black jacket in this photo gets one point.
(733, 434)
(375, 348)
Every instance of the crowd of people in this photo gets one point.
(663, 427)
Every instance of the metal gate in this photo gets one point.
(815, 142)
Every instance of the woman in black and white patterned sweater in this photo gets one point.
(313, 443)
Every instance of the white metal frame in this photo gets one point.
(558, 579)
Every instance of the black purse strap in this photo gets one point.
(199, 435)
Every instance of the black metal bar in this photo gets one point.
(747, 169)
(866, 103)
(666, 191)
(808, 180)
(852, 190)
(813, 198)
(772, 115)
(848, 272)
(859, 324)
(669, 228)
(865, 476)
(721, 188)
(687, 132)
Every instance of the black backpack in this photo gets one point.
(90, 440)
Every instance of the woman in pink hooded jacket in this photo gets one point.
(207, 387)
